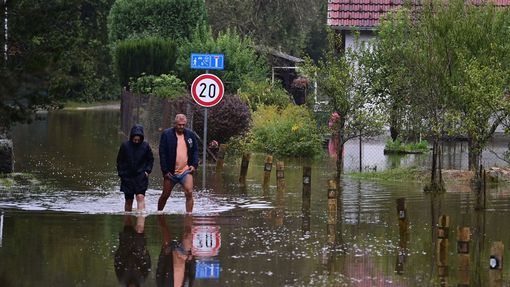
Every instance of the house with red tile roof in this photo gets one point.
(363, 16)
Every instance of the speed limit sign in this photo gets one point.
(207, 90)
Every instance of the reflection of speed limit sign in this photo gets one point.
(206, 240)
(207, 90)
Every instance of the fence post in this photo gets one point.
(443, 232)
(496, 264)
(403, 235)
(463, 238)
(280, 176)
(244, 167)
(268, 166)
(306, 197)
(332, 210)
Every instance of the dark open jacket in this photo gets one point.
(168, 149)
(133, 160)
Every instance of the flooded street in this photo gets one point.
(62, 222)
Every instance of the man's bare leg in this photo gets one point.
(188, 191)
(168, 185)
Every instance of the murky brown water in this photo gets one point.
(65, 226)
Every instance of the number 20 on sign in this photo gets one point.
(207, 90)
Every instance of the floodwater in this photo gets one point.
(61, 223)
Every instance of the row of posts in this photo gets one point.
(443, 227)
(495, 260)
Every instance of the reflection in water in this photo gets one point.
(403, 224)
(132, 260)
(176, 263)
(74, 155)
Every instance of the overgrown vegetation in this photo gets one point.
(163, 86)
(403, 174)
(289, 132)
(264, 93)
(397, 146)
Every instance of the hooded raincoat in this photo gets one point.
(133, 161)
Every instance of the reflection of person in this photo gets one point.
(134, 164)
(176, 265)
(178, 154)
(132, 260)
(333, 141)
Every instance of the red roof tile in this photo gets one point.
(365, 14)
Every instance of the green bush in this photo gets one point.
(241, 59)
(230, 117)
(152, 56)
(290, 132)
(163, 86)
(399, 146)
(257, 93)
(172, 19)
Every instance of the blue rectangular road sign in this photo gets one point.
(207, 61)
(209, 269)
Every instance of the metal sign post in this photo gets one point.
(207, 90)
(204, 148)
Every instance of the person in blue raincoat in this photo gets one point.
(134, 164)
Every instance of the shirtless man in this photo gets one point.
(178, 157)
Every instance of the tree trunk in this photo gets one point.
(340, 155)
(394, 126)
(473, 157)
(436, 178)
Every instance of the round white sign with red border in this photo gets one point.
(206, 240)
(207, 90)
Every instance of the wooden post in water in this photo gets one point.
(332, 210)
(306, 197)
(268, 166)
(443, 232)
(280, 176)
(403, 225)
(496, 264)
(221, 157)
(244, 167)
(463, 238)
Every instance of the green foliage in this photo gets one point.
(290, 132)
(172, 19)
(408, 174)
(152, 56)
(241, 59)
(292, 26)
(264, 93)
(345, 91)
(66, 48)
(230, 117)
(398, 146)
(164, 86)
(455, 60)
(237, 145)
